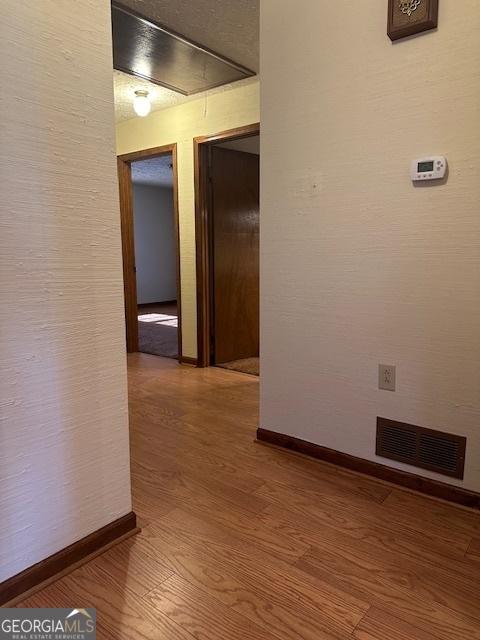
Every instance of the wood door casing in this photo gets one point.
(128, 244)
(235, 254)
(128, 254)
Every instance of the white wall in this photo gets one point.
(359, 267)
(234, 107)
(64, 455)
(155, 243)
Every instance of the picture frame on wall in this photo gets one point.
(408, 17)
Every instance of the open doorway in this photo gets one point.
(155, 255)
(151, 264)
(228, 226)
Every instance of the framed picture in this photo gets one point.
(407, 17)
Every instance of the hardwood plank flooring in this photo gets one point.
(473, 551)
(378, 625)
(242, 540)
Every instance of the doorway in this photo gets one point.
(227, 232)
(155, 255)
(150, 244)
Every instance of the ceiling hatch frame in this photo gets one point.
(137, 40)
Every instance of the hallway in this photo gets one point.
(243, 541)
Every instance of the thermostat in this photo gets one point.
(433, 168)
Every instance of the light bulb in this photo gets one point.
(141, 103)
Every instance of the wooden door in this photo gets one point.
(235, 254)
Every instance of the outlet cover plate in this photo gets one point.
(386, 377)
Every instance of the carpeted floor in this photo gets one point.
(158, 329)
(247, 365)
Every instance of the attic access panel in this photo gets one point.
(148, 50)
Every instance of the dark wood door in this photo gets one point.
(235, 254)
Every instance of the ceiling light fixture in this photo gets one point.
(141, 103)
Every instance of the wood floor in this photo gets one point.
(245, 542)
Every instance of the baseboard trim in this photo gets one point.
(153, 304)
(411, 481)
(187, 360)
(67, 559)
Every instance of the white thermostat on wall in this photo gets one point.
(433, 168)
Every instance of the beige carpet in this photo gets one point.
(247, 365)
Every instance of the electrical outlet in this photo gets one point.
(386, 377)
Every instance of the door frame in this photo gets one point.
(124, 163)
(203, 235)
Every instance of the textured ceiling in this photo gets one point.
(124, 87)
(228, 27)
(248, 145)
(154, 172)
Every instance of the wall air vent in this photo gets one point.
(424, 448)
